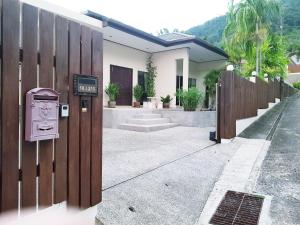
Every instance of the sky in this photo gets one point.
(152, 15)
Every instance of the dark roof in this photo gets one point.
(175, 36)
(149, 37)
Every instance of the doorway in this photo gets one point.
(122, 76)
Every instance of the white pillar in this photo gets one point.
(185, 73)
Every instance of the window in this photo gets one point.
(141, 81)
(192, 82)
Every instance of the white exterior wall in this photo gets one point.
(199, 71)
(165, 83)
(195, 72)
(119, 55)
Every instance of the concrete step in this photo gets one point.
(146, 128)
(148, 116)
(149, 121)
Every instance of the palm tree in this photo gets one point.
(248, 25)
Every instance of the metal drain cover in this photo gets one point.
(238, 208)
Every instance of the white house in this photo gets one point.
(181, 60)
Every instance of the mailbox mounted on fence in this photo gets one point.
(42, 106)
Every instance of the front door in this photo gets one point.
(123, 78)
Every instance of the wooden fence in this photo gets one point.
(239, 98)
(41, 49)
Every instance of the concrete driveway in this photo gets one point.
(163, 177)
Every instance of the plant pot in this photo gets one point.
(111, 104)
(166, 105)
(136, 104)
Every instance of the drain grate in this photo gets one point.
(238, 208)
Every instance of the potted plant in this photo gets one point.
(191, 99)
(138, 94)
(112, 90)
(166, 101)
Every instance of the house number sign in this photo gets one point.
(85, 85)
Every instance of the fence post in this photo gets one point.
(281, 86)
(227, 115)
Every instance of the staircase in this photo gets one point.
(147, 122)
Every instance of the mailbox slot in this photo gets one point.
(40, 97)
(42, 107)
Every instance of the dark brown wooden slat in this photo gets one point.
(228, 114)
(10, 104)
(61, 85)
(97, 104)
(229, 106)
(29, 81)
(218, 111)
(221, 108)
(1, 106)
(85, 124)
(73, 129)
(46, 81)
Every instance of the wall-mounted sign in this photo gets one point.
(85, 85)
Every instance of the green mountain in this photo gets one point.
(212, 30)
(291, 25)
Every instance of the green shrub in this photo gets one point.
(178, 95)
(112, 90)
(296, 85)
(138, 92)
(191, 99)
(166, 99)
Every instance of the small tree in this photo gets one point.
(150, 78)
(210, 81)
(249, 24)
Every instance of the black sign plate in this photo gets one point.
(85, 85)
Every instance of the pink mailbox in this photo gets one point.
(42, 106)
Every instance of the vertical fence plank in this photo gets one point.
(266, 102)
(61, 85)
(46, 81)
(221, 105)
(237, 97)
(1, 107)
(29, 81)
(73, 129)
(228, 106)
(85, 123)
(10, 104)
(96, 151)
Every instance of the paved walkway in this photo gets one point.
(159, 178)
(280, 172)
(236, 175)
(263, 127)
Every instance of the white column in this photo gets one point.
(185, 73)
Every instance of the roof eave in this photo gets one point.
(149, 37)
